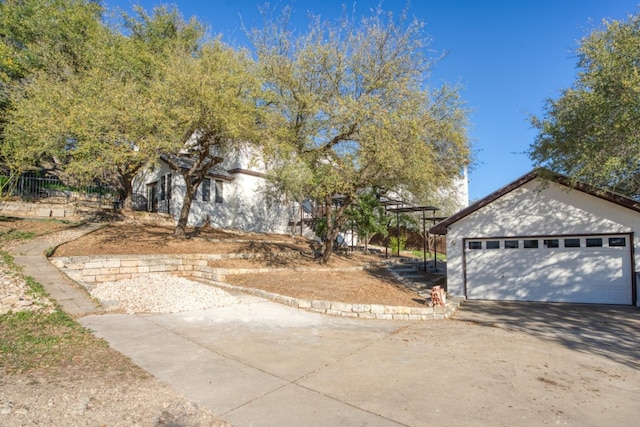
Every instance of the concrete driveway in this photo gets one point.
(258, 363)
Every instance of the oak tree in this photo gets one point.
(591, 132)
(350, 109)
(210, 99)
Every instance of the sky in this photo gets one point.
(508, 56)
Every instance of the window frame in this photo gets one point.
(594, 242)
(218, 191)
(613, 239)
(571, 240)
(474, 245)
(206, 190)
(492, 246)
(508, 244)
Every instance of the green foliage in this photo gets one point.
(420, 254)
(321, 228)
(592, 131)
(35, 288)
(155, 86)
(368, 217)
(40, 37)
(397, 243)
(7, 258)
(13, 234)
(45, 34)
(211, 101)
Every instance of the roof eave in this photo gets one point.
(624, 201)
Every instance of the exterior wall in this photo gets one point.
(462, 185)
(150, 174)
(247, 158)
(533, 210)
(245, 205)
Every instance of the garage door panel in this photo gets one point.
(583, 275)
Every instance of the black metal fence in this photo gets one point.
(32, 187)
(150, 202)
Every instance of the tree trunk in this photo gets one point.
(335, 220)
(127, 188)
(190, 190)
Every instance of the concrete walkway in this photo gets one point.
(258, 363)
(31, 256)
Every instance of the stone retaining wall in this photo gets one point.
(38, 210)
(362, 311)
(91, 270)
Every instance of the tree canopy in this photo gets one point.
(339, 110)
(40, 38)
(211, 99)
(350, 110)
(591, 133)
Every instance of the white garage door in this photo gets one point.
(580, 269)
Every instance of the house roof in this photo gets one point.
(618, 199)
(216, 171)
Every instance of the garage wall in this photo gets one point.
(535, 210)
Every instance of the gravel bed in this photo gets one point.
(15, 294)
(160, 293)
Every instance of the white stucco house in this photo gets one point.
(233, 196)
(236, 195)
(536, 240)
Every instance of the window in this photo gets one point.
(571, 243)
(511, 244)
(475, 245)
(595, 242)
(206, 189)
(163, 188)
(551, 243)
(168, 186)
(530, 244)
(218, 189)
(617, 241)
(493, 244)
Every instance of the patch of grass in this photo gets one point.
(13, 234)
(7, 263)
(7, 259)
(30, 340)
(420, 254)
(42, 340)
(35, 288)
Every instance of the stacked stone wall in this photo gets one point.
(92, 270)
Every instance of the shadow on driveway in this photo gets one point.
(606, 330)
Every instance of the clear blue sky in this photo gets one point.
(508, 55)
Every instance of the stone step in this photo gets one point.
(414, 277)
(404, 272)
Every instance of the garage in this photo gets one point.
(545, 238)
(592, 269)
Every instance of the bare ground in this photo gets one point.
(374, 285)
